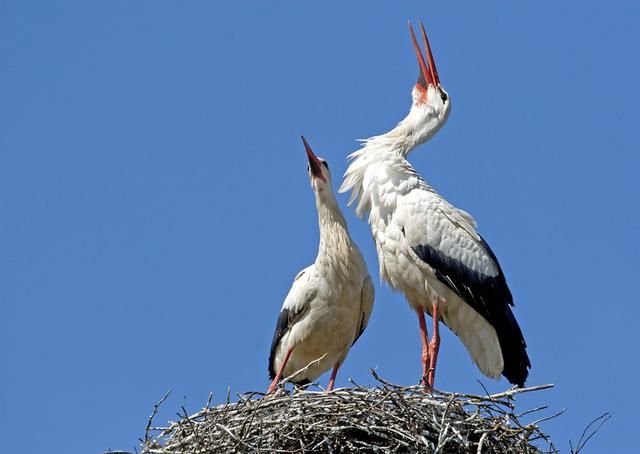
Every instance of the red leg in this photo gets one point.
(332, 380)
(434, 346)
(278, 376)
(424, 336)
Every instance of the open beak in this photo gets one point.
(314, 163)
(428, 72)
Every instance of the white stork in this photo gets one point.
(430, 250)
(329, 304)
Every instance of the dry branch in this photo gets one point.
(384, 419)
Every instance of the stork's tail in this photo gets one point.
(514, 348)
(495, 350)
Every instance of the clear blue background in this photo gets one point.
(154, 202)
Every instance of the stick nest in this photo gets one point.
(385, 419)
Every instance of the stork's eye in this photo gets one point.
(325, 164)
(443, 96)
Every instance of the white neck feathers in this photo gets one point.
(381, 163)
(336, 250)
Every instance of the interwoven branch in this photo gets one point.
(385, 419)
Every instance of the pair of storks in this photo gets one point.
(427, 249)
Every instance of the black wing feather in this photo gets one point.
(490, 297)
(361, 329)
(281, 327)
(286, 320)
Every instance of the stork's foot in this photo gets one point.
(424, 381)
(431, 374)
(425, 377)
(427, 381)
(424, 337)
(272, 387)
(274, 383)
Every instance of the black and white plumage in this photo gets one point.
(430, 250)
(330, 302)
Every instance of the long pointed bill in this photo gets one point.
(314, 163)
(424, 69)
(432, 63)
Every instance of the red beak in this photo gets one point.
(428, 72)
(314, 163)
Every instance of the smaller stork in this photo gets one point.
(329, 304)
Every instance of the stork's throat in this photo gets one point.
(335, 251)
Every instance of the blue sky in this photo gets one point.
(155, 203)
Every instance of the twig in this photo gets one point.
(153, 414)
(481, 442)
(582, 442)
(547, 418)
(304, 369)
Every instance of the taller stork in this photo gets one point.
(427, 248)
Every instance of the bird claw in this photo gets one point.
(428, 379)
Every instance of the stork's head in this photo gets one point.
(318, 171)
(431, 103)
